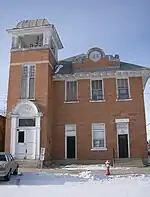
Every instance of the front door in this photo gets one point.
(123, 146)
(25, 144)
(71, 147)
(20, 148)
(30, 143)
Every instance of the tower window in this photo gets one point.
(27, 81)
(28, 41)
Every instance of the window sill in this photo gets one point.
(129, 99)
(30, 99)
(98, 149)
(97, 101)
(71, 102)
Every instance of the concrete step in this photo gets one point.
(129, 162)
(28, 163)
(127, 159)
(77, 162)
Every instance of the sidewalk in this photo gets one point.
(144, 170)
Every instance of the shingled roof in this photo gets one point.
(129, 66)
(67, 67)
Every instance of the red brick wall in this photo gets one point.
(27, 56)
(104, 62)
(43, 89)
(84, 113)
(12, 99)
(50, 98)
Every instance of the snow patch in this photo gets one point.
(86, 175)
(58, 67)
(91, 167)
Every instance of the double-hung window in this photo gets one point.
(123, 89)
(98, 136)
(71, 93)
(97, 90)
(28, 82)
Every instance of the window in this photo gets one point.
(29, 41)
(122, 128)
(98, 136)
(70, 128)
(3, 157)
(71, 91)
(27, 122)
(97, 90)
(123, 88)
(21, 137)
(27, 81)
(53, 47)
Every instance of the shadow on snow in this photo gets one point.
(43, 178)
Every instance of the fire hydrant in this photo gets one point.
(107, 164)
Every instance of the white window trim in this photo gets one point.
(28, 68)
(25, 117)
(99, 148)
(97, 101)
(129, 148)
(55, 54)
(121, 120)
(129, 91)
(77, 101)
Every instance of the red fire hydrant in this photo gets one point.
(107, 164)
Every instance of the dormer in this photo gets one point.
(35, 34)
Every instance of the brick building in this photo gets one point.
(2, 132)
(81, 108)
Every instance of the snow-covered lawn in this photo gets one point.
(84, 184)
(91, 167)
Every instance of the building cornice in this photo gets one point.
(28, 31)
(145, 74)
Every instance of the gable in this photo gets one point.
(86, 63)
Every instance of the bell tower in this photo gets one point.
(34, 53)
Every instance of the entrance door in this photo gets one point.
(123, 146)
(30, 143)
(26, 144)
(71, 147)
(20, 149)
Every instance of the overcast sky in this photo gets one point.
(117, 26)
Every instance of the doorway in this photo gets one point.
(123, 146)
(71, 147)
(25, 143)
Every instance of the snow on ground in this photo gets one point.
(85, 184)
(90, 167)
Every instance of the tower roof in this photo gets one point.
(32, 23)
(30, 26)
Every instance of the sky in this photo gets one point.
(116, 26)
